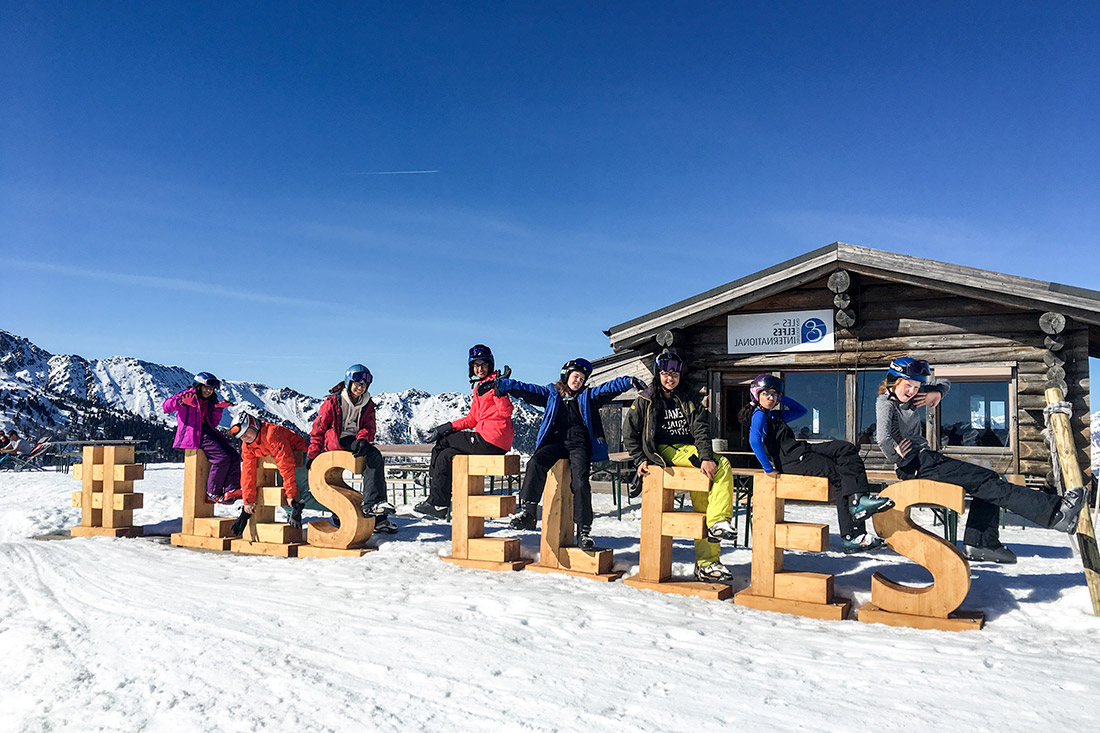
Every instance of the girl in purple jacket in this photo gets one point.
(198, 412)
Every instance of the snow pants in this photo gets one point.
(717, 504)
(987, 491)
(464, 442)
(225, 464)
(580, 467)
(838, 461)
(374, 474)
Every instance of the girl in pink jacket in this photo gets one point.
(198, 412)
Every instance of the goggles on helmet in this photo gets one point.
(364, 377)
(576, 365)
(207, 379)
(670, 362)
(909, 368)
(480, 351)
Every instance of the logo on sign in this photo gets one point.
(813, 330)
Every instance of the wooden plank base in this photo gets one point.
(711, 591)
(79, 531)
(605, 577)
(273, 549)
(956, 621)
(326, 552)
(201, 543)
(835, 611)
(487, 564)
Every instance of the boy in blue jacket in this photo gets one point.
(571, 428)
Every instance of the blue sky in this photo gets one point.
(271, 191)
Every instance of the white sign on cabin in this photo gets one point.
(763, 333)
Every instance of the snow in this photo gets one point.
(134, 634)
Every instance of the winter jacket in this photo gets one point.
(897, 421)
(772, 439)
(273, 441)
(325, 435)
(490, 416)
(191, 418)
(589, 401)
(640, 430)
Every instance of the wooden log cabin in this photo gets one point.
(829, 322)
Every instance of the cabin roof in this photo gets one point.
(1080, 304)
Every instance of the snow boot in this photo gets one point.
(1065, 520)
(381, 509)
(999, 554)
(716, 572)
(864, 505)
(861, 543)
(584, 537)
(430, 510)
(527, 517)
(722, 530)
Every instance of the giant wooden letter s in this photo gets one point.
(929, 607)
(326, 483)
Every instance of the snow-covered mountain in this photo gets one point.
(68, 396)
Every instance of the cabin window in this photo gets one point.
(822, 394)
(974, 414)
(867, 384)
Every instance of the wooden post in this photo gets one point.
(660, 524)
(200, 528)
(469, 508)
(326, 483)
(558, 554)
(263, 535)
(933, 606)
(772, 587)
(1072, 477)
(107, 500)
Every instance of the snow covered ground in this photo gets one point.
(134, 634)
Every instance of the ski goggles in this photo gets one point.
(361, 377)
(208, 380)
(579, 365)
(912, 369)
(670, 364)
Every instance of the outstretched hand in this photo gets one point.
(637, 384)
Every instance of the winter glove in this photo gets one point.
(506, 372)
(296, 508)
(439, 431)
(241, 523)
(188, 399)
(635, 486)
(360, 447)
(637, 384)
(489, 384)
(223, 404)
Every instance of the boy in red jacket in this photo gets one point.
(265, 440)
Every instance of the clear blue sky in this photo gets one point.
(271, 191)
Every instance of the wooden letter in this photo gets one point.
(326, 483)
(469, 509)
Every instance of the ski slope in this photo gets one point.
(134, 634)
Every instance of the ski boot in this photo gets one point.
(378, 511)
(999, 554)
(716, 572)
(722, 530)
(861, 543)
(384, 524)
(430, 510)
(864, 505)
(1065, 520)
(584, 537)
(527, 517)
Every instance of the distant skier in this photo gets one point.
(264, 440)
(667, 426)
(571, 428)
(346, 421)
(486, 430)
(198, 412)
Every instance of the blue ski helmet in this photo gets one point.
(906, 367)
(207, 379)
(484, 353)
(357, 373)
(763, 382)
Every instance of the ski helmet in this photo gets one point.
(906, 367)
(243, 424)
(357, 373)
(207, 379)
(483, 353)
(584, 366)
(668, 361)
(763, 382)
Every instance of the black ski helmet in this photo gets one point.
(584, 366)
(763, 382)
(668, 361)
(483, 353)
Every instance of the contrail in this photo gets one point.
(393, 173)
